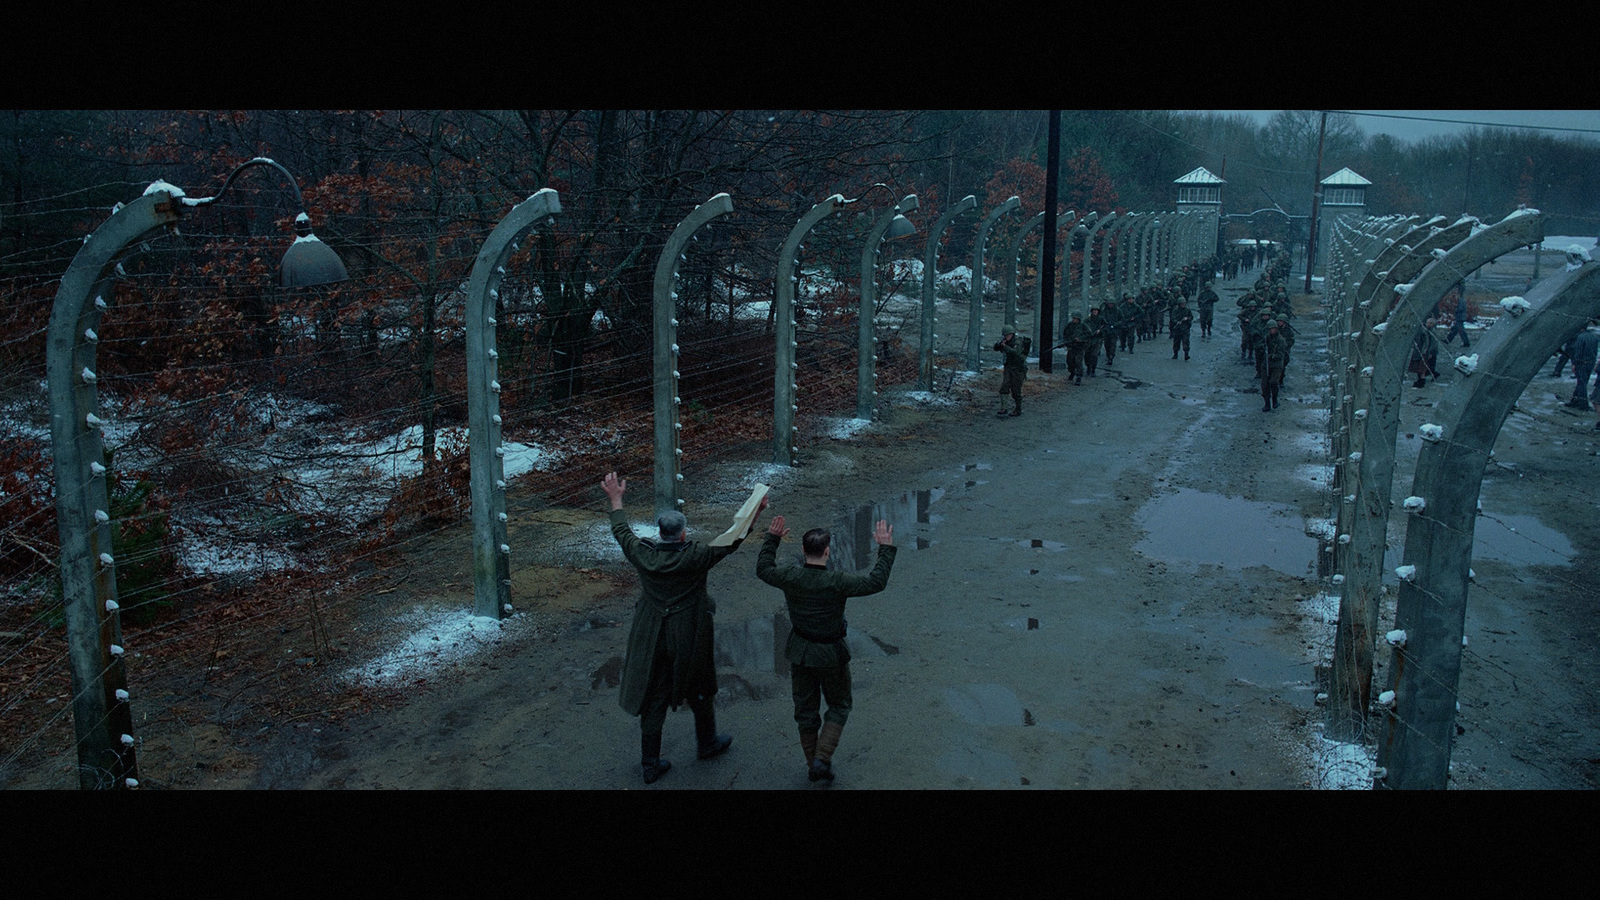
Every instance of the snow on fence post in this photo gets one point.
(866, 337)
(1414, 750)
(491, 549)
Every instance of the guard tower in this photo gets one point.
(1344, 196)
(1201, 191)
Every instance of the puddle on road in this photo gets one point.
(1194, 527)
(1520, 540)
(910, 515)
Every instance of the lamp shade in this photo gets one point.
(310, 262)
(901, 227)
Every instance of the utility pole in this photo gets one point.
(1316, 202)
(1047, 265)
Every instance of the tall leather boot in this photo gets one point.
(650, 760)
(708, 742)
(808, 746)
(827, 742)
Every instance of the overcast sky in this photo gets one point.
(1415, 124)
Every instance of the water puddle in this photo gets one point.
(910, 515)
(1194, 528)
(1520, 540)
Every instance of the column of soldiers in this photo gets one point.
(1265, 333)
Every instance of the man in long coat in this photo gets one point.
(669, 661)
(1016, 370)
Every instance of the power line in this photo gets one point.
(1347, 112)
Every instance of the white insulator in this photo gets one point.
(111, 606)
(1350, 368)
(97, 469)
(500, 484)
(1355, 335)
(500, 452)
(794, 345)
(1403, 289)
(494, 354)
(1361, 414)
(677, 451)
(94, 420)
(677, 425)
(1396, 638)
(495, 418)
(794, 409)
(88, 375)
(794, 365)
(1437, 253)
(674, 373)
(1366, 372)
(1516, 306)
(1385, 700)
(1356, 456)
(502, 517)
(1346, 398)
(1338, 579)
(115, 650)
(677, 399)
(678, 477)
(1467, 364)
(1472, 576)
(1463, 640)
(1415, 504)
(492, 322)
(100, 302)
(679, 503)
(1406, 573)
(1344, 538)
(494, 294)
(674, 323)
(122, 695)
(1431, 432)
(101, 516)
(874, 357)
(674, 348)
(90, 336)
(105, 559)
(1380, 328)
(127, 740)
(494, 386)
(505, 548)
(674, 295)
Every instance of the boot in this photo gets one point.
(827, 742)
(708, 743)
(808, 745)
(650, 762)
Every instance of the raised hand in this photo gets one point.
(884, 533)
(777, 527)
(614, 488)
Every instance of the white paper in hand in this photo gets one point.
(743, 519)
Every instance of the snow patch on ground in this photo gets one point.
(843, 429)
(439, 637)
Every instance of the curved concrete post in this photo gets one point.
(1373, 430)
(930, 275)
(1013, 262)
(1414, 751)
(1111, 272)
(1147, 253)
(975, 317)
(1044, 342)
(101, 713)
(866, 339)
(1084, 294)
(491, 548)
(1139, 239)
(784, 389)
(1128, 252)
(664, 306)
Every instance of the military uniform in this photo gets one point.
(1076, 337)
(1097, 331)
(819, 661)
(1113, 330)
(1275, 357)
(669, 661)
(1016, 370)
(1128, 322)
(1180, 320)
(1207, 303)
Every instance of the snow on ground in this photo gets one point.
(439, 637)
(203, 554)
